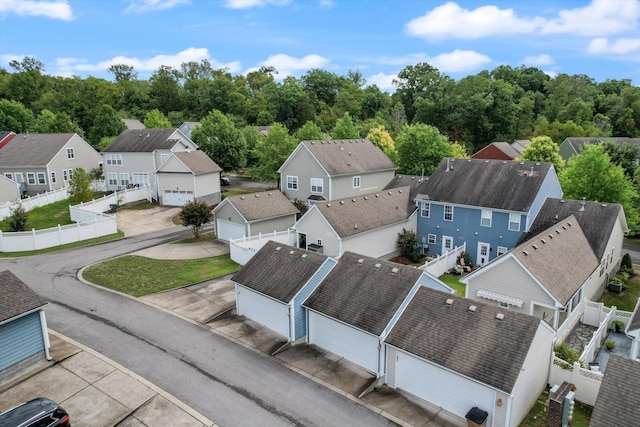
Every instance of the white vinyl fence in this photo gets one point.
(445, 262)
(34, 201)
(244, 248)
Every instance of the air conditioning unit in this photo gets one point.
(315, 248)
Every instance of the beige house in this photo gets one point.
(319, 171)
(188, 176)
(44, 162)
(9, 189)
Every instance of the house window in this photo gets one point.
(70, 154)
(113, 178)
(164, 157)
(319, 242)
(431, 239)
(70, 173)
(114, 159)
(42, 178)
(124, 179)
(53, 178)
(486, 218)
(65, 177)
(9, 175)
(576, 300)
(448, 213)
(426, 210)
(316, 185)
(140, 178)
(502, 250)
(31, 178)
(514, 222)
(356, 182)
(503, 304)
(292, 182)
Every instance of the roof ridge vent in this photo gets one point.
(257, 195)
(378, 265)
(241, 197)
(303, 256)
(342, 202)
(557, 231)
(353, 200)
(360, 261)
(544, 242)
(534, 246)
(292, 252)
(449, 302)
(473, 308)
(499, 316)
(395, 270)
(550, 236)
(278, 248)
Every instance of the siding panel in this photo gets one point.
(20, 339)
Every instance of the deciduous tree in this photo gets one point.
(195, 215)
(345, 128)
(420, 149)
(272, 151)
(222, 141)
(80, 187)
(154, 119)
(543, 149)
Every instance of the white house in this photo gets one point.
(187, 176)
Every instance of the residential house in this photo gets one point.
(520, 144)
(187, 176)
(572, 146)
(5, 137)
(633, 331)
(548, 276)
(23, 327)
(619, 394)
(133, 124)
(271, 287)
(187, 127)
(9, 189)
(497, 151)
(366, 224)
(254, 213)
(459, 354)
(604, 225)
(135, 155)
(356, 305)
(319, 171)
(485, 204)
(42, 162)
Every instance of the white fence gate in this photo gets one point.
(445, 262)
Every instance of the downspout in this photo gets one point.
(509, 407)
(45, 334)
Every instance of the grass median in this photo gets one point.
(139, 276)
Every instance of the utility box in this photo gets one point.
(476, 417)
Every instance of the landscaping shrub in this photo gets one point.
(564, 352)
(626, 264)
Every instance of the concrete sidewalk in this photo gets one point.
(96, 391)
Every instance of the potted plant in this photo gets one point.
(610, 344)
(617, 325)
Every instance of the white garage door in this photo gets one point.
(177, 197)
(352, 344)
(266, 311)
(229, 230)
(452, 392)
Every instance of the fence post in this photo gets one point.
(35, 241)
(59, 234)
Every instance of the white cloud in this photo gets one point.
(326, 4)
(598, 18)
(383, 81)
(70, 66)
(144, 6)
(538, 60)
(288, 65)
(58, 9)
(451, 21)
(459, 61)
(619, 47)
(246, 4)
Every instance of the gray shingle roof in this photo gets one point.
(504, 147)
(563, 241)
(198, 162)
(16, 297)
(363, 292)
(133, 124)
(619, 395)
(494, 184)
(473, 344)
(262, 205)
(142, 141)
(355, 215)
(33, 149)
(578, 143)
(520, 144)
(279, 270)
(634, 323)
(596, 220)
(349, 156)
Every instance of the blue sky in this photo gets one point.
(599, 38)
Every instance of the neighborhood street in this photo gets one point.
(226, 382)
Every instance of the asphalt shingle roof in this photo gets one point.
(16, 297)
(33, 149)
(578, 143)
(506, 148)
(474, 344)
(262, 205)
(619, 394)
(349, 156)
(279, 271)
(363, 292)
(142, 141)
(493, 184)
(198, 162)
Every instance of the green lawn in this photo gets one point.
(138, 276)
(454, 282)
(44, 217)
(626, 300)
(203, 238)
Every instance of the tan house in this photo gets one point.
(188, 176)
(319, 171)
(42, 162)
(9, 189)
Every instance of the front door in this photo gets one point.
(483, 253)
(447, 244)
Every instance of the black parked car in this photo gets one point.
(40, 412)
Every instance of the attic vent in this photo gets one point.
(341, 148)
(377, 195)
(377, 265)
(394, 270)
(278, 248)
(564, 227)
(449, 302)
(557, 231)
(353, 200)
(544, 242)
(569, 224)
(271, 194)
(360, 261)
(473, 308)
(366, 198)
(525, 253)
(349, 152)
(499, 316)
(348, 163)
(303, 256)
(561, 201)
(604, 205)
(292, 252)
(342, 202)
(534, 246)
(355, 226)
(328, 205)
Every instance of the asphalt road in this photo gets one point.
(228, 383)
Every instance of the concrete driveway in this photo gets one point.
(133, 221)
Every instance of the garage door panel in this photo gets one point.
(177, 197)
(266, 311)
(227, 230)
(345, 341)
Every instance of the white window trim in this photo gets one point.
(321, 186)
(53, 177)
(70, 153)
(428, 209)
(432, 239)
(65, 176)
(500, 298)
(114, 159)
(486, 214)
(514, 222)
(356, 182)
(292, 181)
(31, 176)
(444, 214)
(44, 178)
(112, 178)
(125, 175)
(501, 250)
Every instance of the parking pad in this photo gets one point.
(160, 412)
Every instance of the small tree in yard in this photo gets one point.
(195, 215)
(80, 187)
(19, 216)
(407, 242)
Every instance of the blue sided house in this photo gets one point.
(485, 204)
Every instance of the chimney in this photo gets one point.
(582, 203)
(531, 173)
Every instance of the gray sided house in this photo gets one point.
(252, 214)
(319, 171)
(135, 155)
(42, 162)
(548, 276)
(458, 354)
(356, 305)
(188, 176)
(572, 146)
(187, 127)
(365, 224)
(272, 286)
(604, 225)
(619, 394)
(9, 189)
(23, 327)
